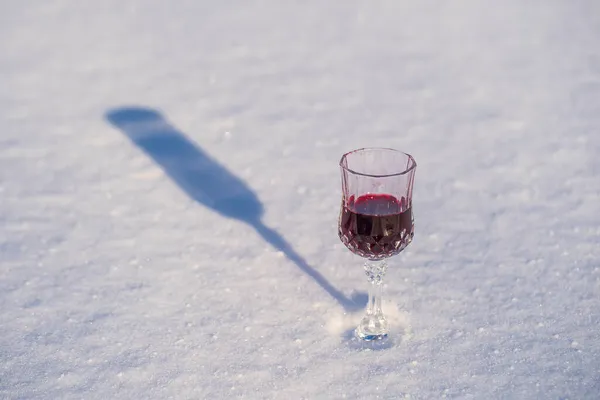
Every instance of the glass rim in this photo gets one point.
(413, 163)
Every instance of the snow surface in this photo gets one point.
(169, 194)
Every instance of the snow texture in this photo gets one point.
(169, 194)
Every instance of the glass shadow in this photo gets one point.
(209, 183)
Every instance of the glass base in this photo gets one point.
(372, 327)
(369, 338)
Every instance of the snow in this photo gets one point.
(195, 254)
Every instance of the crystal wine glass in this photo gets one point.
(376, 220)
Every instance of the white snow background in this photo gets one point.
(127, 273)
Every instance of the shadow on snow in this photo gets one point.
(209, 183)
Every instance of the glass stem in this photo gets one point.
(374, 326)
(375, 271)
(374, 305)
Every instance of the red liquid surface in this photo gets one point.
(376, 226)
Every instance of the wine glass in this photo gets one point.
(376, 220)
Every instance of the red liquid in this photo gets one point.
(376, 226)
